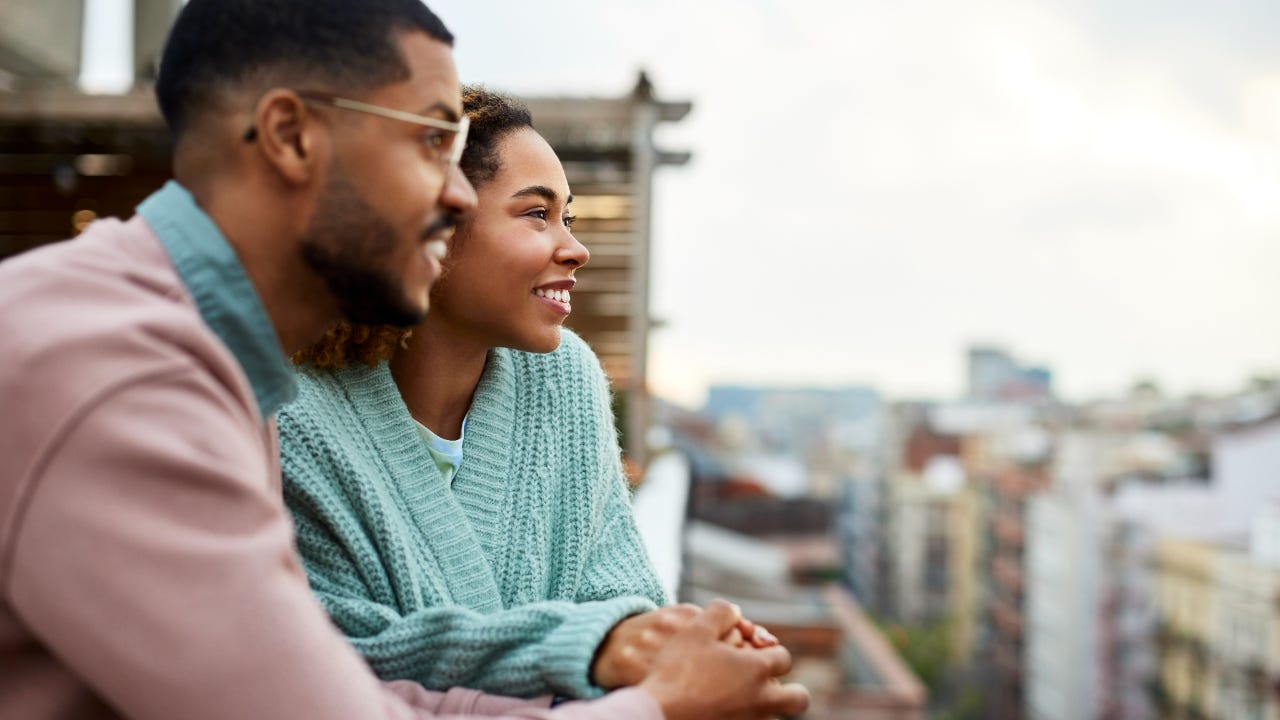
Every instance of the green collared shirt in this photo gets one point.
(226, 298)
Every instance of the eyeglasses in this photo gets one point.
(445, 147)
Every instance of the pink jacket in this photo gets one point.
(147, 568)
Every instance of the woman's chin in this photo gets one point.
(542, 343)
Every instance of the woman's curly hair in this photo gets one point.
(345, 343)
(493, 117)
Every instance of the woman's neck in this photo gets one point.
(437, 375)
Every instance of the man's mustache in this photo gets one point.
(440, 224)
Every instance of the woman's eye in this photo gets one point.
(569, 220)
(540, 213)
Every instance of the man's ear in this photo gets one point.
(288, 135)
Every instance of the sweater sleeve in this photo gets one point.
(542, 647)
(618, 563)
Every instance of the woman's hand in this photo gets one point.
(626, 655)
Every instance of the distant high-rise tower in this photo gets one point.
(995, 375)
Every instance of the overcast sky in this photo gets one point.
(1094, 184)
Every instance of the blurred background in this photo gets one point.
(940, 332)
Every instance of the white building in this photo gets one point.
(1064, 569)
(1091, 602)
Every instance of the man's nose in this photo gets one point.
(458, 195)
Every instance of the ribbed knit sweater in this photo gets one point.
(508, 580)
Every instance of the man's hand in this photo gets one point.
(626, 655)
(698, 675)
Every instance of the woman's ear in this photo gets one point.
(287, 135)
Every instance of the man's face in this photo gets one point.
(387, 196)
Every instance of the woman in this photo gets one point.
(461, 509)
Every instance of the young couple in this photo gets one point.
(460, 509)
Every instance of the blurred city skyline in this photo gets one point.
(875, 187)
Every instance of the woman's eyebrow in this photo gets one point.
(541, 191)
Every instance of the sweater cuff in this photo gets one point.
(572, 646)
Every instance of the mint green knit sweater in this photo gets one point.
(508, 580)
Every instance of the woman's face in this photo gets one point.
(510, 268)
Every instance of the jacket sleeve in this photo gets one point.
(528, 650)
(625, 704)
(154, 558)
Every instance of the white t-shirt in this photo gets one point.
(446, 453)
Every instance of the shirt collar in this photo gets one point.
(226, 299)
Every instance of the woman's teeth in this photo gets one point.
(561, 295)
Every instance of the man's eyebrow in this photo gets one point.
(450, 114)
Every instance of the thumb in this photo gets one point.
(719, 618)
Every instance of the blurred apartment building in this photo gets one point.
(1091, 606)
(67, 158)
(1246, 626)
(1219, 588)
(995, 375)
(958, 478)
(957, 526)
(1149, 592)
(1008, 491)
(1033, 530)
(822, 444)
(1217, 638)
(753, 535)
(1111, 560)
(926, 481)
(1184, 684)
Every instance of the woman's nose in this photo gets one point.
(572, 251)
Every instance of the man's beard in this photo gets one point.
(350, 247)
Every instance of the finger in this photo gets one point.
(685, 609)
(718, 618)
(776, 659)
(735, 638)
(762, 638)
(674, 617)
(784, 698)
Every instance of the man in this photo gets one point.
(146, 565)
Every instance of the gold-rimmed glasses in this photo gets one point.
(445, 147)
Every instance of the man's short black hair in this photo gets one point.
(337, 45)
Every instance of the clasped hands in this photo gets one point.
(700, 663)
